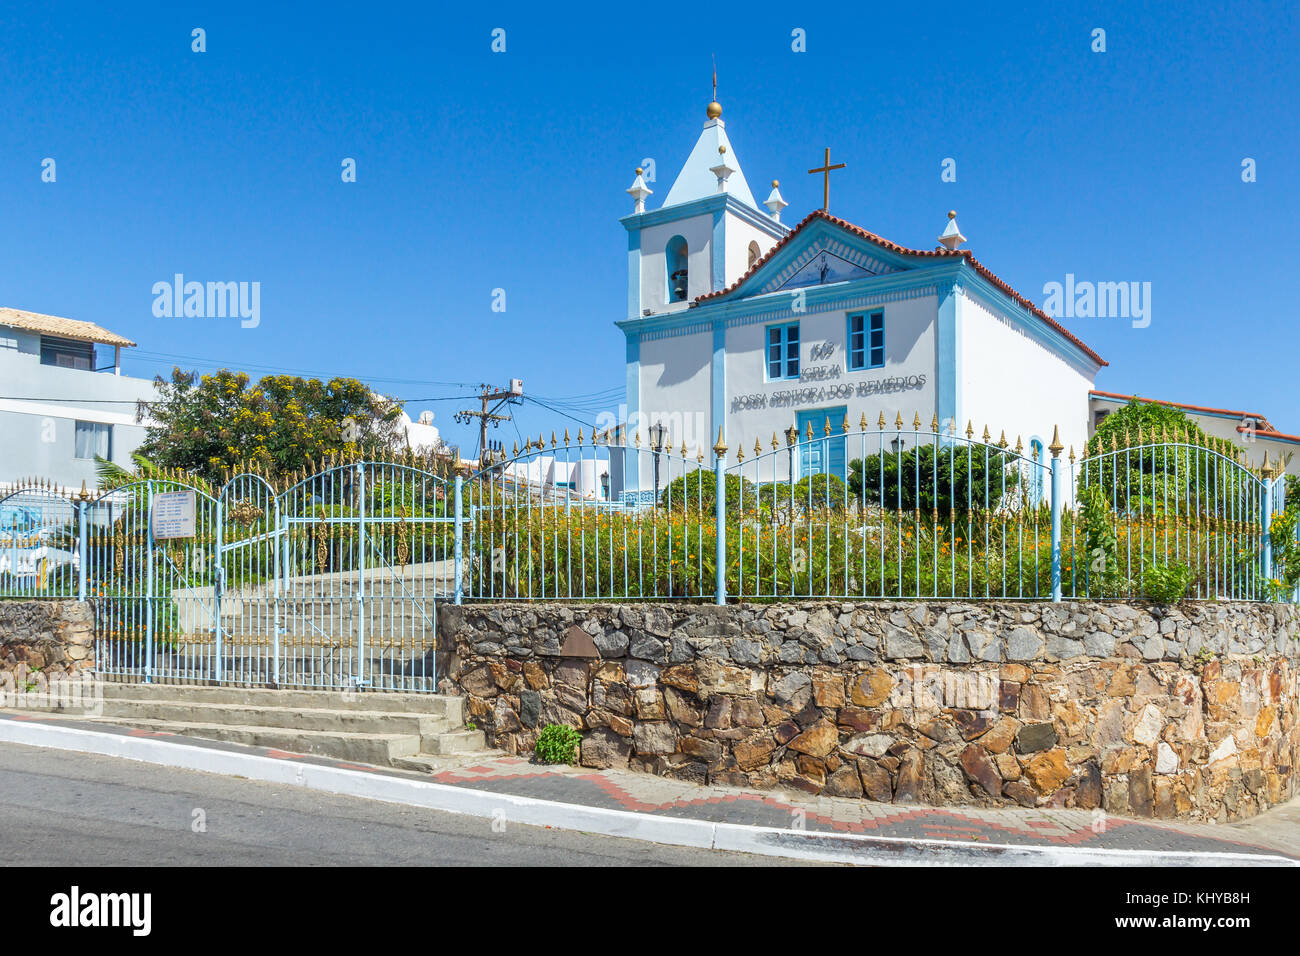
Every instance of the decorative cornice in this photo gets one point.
(702, 207)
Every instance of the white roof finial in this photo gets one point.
(951, 236)
(723, 169)
(774, 202)
(639, 191)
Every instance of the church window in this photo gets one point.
(754, 254)
(783, 351)
(866, 341)
(677, 269)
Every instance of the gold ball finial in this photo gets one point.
(721, 150)
(952, 213)
(714, 110)
(639, 170)
(775, 183)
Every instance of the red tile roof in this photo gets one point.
(1270, 433)
(1267, 426)
(904, 251)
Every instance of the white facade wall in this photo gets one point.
(1010, 381)
(909, 355)
(698, 233)
(676, 389)
(739, 234)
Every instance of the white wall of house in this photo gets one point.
(40, 406)
(1010, 382)
(1253, 446)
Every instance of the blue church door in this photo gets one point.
(823, 454)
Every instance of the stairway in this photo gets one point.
(411, 731)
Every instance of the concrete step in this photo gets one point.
(455, 742)
(431, 763)
(367, 727)
(379, 749)
(437, 705)
(287, 718)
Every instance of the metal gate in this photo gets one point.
(331, 583)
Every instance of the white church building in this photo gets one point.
(738, 320)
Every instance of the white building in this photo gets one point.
(61, 400)
(1251, 433)
(737, 320)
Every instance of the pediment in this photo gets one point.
(820, 253)
(825, 260)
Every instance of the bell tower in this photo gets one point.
(705, 235)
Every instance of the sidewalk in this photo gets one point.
(918, 829)
(1277, 832)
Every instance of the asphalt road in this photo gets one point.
(67, 809)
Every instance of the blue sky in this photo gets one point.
(478, 171)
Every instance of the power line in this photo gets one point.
(557, 411)
(241, 366)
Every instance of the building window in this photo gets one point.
(67, 353)
(94, 440)
(676, 259)
(866, 341)
(754, 254)
(783, 351)
(1098, 417)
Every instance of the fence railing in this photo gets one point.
(329, 582)
(862, 512)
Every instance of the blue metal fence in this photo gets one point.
(333, 580)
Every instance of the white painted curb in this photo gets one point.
(808, 845)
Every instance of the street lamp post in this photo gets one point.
(656, 444)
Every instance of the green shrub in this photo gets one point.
(557, 743)
(1166, 583)
(945, 480)
(820, 491)
(1286, 551)
(1101, 544)
(697, 493)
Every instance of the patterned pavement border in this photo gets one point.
(664, 798)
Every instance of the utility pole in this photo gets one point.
(489, 412)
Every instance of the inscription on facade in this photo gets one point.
(794, 397)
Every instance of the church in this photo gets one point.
(736, 319)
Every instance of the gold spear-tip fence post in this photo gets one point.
(720, 517)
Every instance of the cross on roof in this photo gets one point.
(825, 170)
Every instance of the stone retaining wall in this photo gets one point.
(52, 638)
(1186, 712)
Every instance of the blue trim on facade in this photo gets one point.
(947, 359)
(631, 469)
(814, 232)
(718, 383)
(633, 274)
(783, 355)
(718, 250)
(868, 318)
(913, 277)
(709, 204)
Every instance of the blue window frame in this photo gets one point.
(783, 351)
(866, 341)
